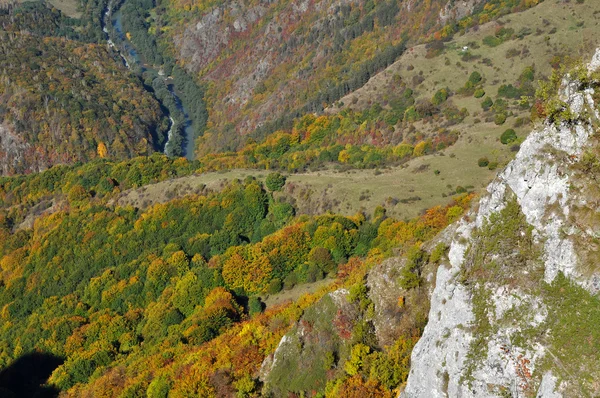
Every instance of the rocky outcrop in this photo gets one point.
(305, 354)
(457, 9)
(17, 156)
(384, 291)
(489, 332)
(266, 61)
(12, 151)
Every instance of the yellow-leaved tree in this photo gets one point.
(249, 269)
(102, 150)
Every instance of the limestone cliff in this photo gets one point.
(514, 310)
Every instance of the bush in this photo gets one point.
(491, 41)
(483, 162)
(479, 93)
(438, 252)
(422, 148)
(403, 150)
(255, 306)
(475, 78)
(411, 114)
(158, 388)
(274, 286)
(314, 273)
(77, 193)
(499, 119)
(508, 136)
(493, 165)
(275, 181)
(440, 96)
(460, 189)
(487, 103)
(509, 91)
(290, 281)
(321, 257)
(408, 279)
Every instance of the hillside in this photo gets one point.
(268, 63)
(65, 100)
(516, 276)
(325, 199)
(393, 143)
(515, 307)
(121, 317)
(513, 284)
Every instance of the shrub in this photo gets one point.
(274, 286)
(358, 355)
(508, 136)
(487, 103)
(499, 119)
(434, 48)
(493, 165)
(403, 150)
(500, 106)
(440, 96)
(438, 252)
(411, 114)
(460, 189)
(290, 281)
(453, 214)
(408, 279)
(77, 193)
(244, 386)
(321, 257)
(483, 162)
(423, 148)
(275, 181)
(502, 35)
(475, 78)
(313, 273)
(255, 306)
(509, 91)
(491, 41)
(479, 93)
(158, 388)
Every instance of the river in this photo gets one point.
(135, 62)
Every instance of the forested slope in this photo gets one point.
(130, 298)
(134, 295)
(266, 64)
(65, 100)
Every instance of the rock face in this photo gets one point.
(267, 60)
(304, 354)
(12, 151)
(488, 297)
(384, 291)
(457, 9)
(16, 155)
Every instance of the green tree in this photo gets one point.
(77, 193)
(275, 181)
(487, 103)
(475, 78)
(255, 306)
(508, 136)
(440, 96)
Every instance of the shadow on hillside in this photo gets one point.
(25, 376)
